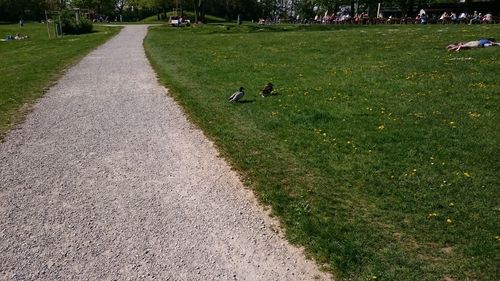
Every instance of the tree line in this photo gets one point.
(12, 10)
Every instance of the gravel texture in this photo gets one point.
(107, 180)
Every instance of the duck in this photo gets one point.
(236, 96)
(268, 89)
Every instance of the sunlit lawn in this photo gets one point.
(28, 66)
(380, 151)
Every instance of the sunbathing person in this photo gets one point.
(481, 43)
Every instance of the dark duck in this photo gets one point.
(268, 89)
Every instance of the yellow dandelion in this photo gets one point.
(431, 215)
(418, 114)
(381, 127)
(451, 204)
(474, 114)
(497, 238)
(449, 221)
(466, 174)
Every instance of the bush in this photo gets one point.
(71, 26)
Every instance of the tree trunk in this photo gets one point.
(195, 11)
(199, 10)
(411, 3)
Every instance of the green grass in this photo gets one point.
(191, 16)
(187, 14)
(379, 152)
(29, 66)
(148, 20)
(152, 19)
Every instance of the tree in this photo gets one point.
(160, 6)
(100, 6)
(408, 6)
(199, 10)
(120, 5)
(13, 10)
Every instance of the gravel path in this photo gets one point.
(107, 180)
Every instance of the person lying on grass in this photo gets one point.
(21, 37)
(481, 43)
(16, 37)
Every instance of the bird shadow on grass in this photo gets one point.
(246, 101)
(272, 95)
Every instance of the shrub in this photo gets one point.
(71, 26)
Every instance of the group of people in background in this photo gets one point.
(422, 17)
(476, 17)
(18, 36)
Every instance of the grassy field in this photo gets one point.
(29, 66)
(187, 14)
(379, 151)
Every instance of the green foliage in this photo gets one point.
(379, 150)
(191, 17)
(105, 7)
(12, 10)
(70, 25)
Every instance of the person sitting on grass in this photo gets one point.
(8, 38)
(424, 19)
(476, 18)
(488, 18)
(481, 43)
(462, 17)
